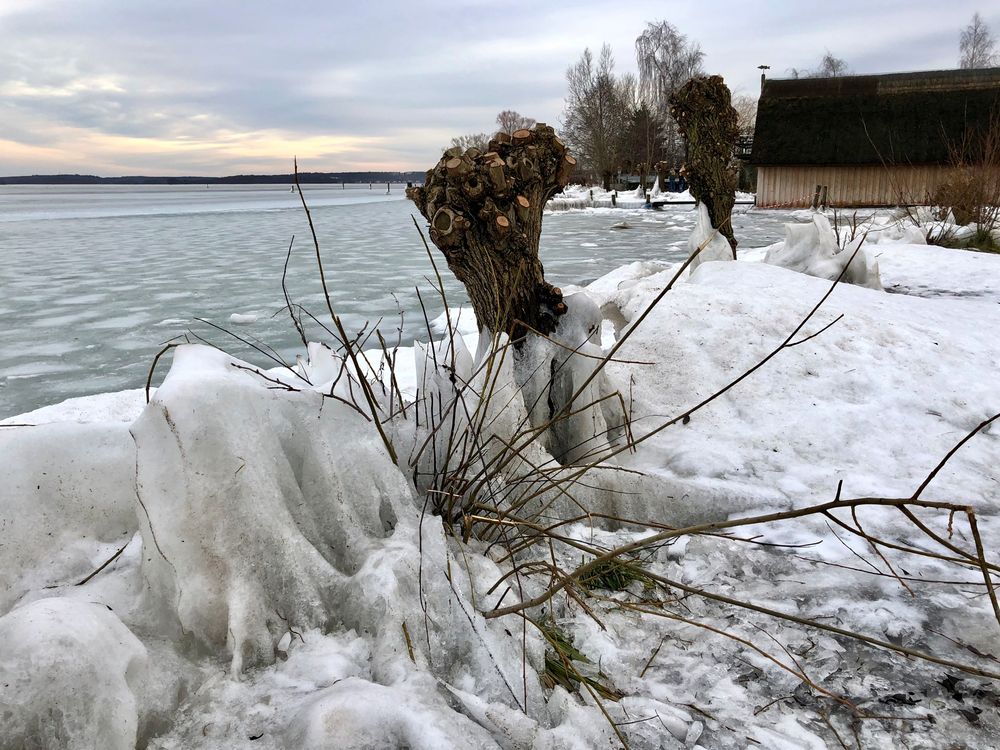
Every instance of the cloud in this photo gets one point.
(120, 87)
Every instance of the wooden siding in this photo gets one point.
(793, 187)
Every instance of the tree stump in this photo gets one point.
(485, 214)
(704, 112)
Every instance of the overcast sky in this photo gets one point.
(215, 87)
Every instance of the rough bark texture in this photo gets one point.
(704, 112)
(485, 214)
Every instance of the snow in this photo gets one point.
(70, 672)
(121, 406)
(818, 413)
(814, 249)
(707, 241)
(270, 575)
(67, 495)
(589, 196)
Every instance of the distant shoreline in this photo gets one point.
(312, 178)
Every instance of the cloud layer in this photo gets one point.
(189, 87)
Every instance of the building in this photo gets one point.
(868, 140)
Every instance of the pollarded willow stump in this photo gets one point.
(704, 112)
(485, 214)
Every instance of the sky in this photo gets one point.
(217, 87)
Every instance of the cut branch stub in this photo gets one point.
(485, 212)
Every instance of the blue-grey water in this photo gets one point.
(96, 279)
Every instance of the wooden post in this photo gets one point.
(823, 198)
(815, 203)
(614, 199)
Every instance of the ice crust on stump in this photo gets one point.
(265, 508)
(813, 249)
(69, 675)
(485, 214)
(715, 245)
(550, 371)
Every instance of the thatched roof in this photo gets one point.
(901, 118)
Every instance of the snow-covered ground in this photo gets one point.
(274, 583)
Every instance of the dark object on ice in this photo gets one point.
(972, 715)
(485, 212)
(900, 699)
(950, 684)
(704, 112)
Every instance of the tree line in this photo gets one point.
(622, 123)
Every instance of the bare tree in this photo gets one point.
(470, 140)
(830, 66)
(596, 113)
(746, 114)
(977, 46)
(667, 60)
(508, 121)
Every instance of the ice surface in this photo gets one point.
(104, 292)
(69, 674)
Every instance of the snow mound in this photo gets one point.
(256, 521)
(813, 249)
(122, 406)
(69, 675)
(265, 511)
(816, 412)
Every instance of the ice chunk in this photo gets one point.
(267, 508)
(463, 321)
(358, 713)
(60, 501)
(812, 249)
(714, 245)
(69, 675)
(243, 319)
(257, 507)
(551, 371)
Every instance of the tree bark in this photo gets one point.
(485, 214)
(704, 112)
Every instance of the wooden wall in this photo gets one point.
(779, 187)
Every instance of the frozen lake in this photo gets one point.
(97, 278)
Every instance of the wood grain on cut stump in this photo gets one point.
(485, 215)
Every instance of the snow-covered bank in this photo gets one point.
(278, 583)
(581, 196)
